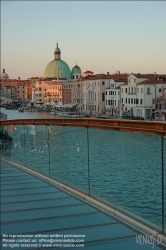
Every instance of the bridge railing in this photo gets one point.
(120, 163)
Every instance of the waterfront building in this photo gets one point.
(57, 68)
(160, 106)
(21, 88)
(94, 87)
(139, 93)
(53, 92)
(112, 97)
(37, 85)
(77, 93)
(66, 92)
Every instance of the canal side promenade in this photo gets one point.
(43, 214)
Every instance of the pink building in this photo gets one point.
(160, 107)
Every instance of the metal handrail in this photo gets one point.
(143, 127)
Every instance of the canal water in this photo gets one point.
(15, 114)
(119, 168)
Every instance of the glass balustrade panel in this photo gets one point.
(37, 148)
(13, 143)
(125, 172)
(5, 142)
(69, 156)
(164, 162)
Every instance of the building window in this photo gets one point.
(103, 97)
(134, 80)
(106, 92)
(125, 90)
(108, 102)
(141, 101)
(129, 100)
(122, 100)
(137, 101)
(103, 83)
(159, 90)
(148, 91)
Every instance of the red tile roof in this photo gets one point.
(151, 81)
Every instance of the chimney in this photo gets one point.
(108, 73)
(19, 78)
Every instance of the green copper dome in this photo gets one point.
(76, 70)
(57, 68)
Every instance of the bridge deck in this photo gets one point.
(42, 212)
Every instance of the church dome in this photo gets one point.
(4, 75)
(76, 70)
(57, 50)
(57, 68)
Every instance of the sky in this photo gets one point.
(101, 36)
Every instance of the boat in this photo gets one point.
(21, 109)
(77, 115)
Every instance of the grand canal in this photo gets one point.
(120, 168)
(15, 114)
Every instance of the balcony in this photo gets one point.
(60, 175)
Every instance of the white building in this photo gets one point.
(138, 96)
(94, 91)
(112, 97)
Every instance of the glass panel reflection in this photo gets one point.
(13, 145)
(69, 156)
(164, 161)
(37, 148)
(125, 171)
(6, 141)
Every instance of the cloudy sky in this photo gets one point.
(100, 35)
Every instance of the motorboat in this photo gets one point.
(21, 109)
